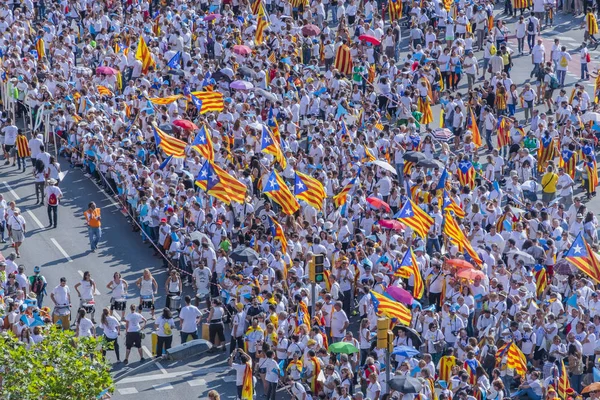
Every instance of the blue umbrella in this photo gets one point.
(405, 351)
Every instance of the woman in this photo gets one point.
(215, 325)
(496, 392)
(590, 232)
(575, 368)
(112, 329)
(133, 332)
(118, 286)
(214, 395)
(434, 340)
(365, 340)
(148, 288)
(164, 326)
(37, 336)
(39, 178)
(373, 387)
(54, 170)
(85, 289)
(173, 286)
(85, 327)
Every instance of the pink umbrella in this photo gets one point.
(311, 30)
(106, 71)
(399, 294)
(470, 274)
(392, 224)
(241, 49)
(210, 17)
(377, 203)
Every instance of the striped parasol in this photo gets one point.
(442, 134)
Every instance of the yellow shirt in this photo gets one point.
(549, 181)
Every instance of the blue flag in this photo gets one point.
(174, 62)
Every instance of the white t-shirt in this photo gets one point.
(110, 328)
(85, 327)
(188, 315)
(134, 320)
(272, 369)
(61, 294)
(161, 323)
(338, 319)
(10, 135)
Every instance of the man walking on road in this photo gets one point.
(189, 317)
(92, 217)
(52, 194)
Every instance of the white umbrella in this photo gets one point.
(521, 255)
(532, 186)
(199, 236)
(590, 116)
(385, 165)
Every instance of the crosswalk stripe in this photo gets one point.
(163, 386)
(197, 382)
(129, 390)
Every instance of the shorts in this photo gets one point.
(548, 94)
(8, 148)
(133, 339)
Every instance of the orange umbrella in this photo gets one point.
(594, 387)
(470, 273)
(460, 264)
(185, 124)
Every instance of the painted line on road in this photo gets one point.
(170, 375)
(112, 202)
(163, 386)
(96, 291)
(125, 391)
(35, 219)
(14, 194)
(158, 364)
(62, 251)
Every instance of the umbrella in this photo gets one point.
(590, 116)
(221, 76)
(311, 30)
(531, 185)
(385, 165)
(245, 71)
(370, 39)
(460, 264)
(201, 237)
(411, 334)
(168, 128)
(241, 85)
(430, 163)
(177, 72)
(106, 71)
(378, 204)
(405, 351)
(241, 49)
(343, 348)
(185, 124)
(470, 274)
(400, 294)
(442, 134)
(563, 267)
(266, 95)
(83, 70)
(414, 156)
(244, 254)
(521, 255)
(405, 384)
(210, 17)
(594, 387)
(392, 224)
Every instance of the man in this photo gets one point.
(339, 322)
(37, 285)
(565, 184)
(52, 195)
(61, 295)
(10, 132)
(36, 146)
(93, 221)
(17, 226)
(22, 149)
(189, 317)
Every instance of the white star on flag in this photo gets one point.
(300, 186)
(577, 249)
(408, 212)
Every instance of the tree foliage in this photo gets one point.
(60, 367)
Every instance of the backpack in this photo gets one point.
(563, 61)
(489, 361)
(52, 199)
(530, 26)
(588, 58)
(38, 285)
(553, 82)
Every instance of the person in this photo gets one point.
(112, 330)
(214, 395)
(272, 374)
(39, 173)
(133, 331)
(173, 286)
(18, 228)
(243, 369)
(93, 221)
(52, 195)
(85, 290)
(9, 132)
(84, 327)
(164, 326)
(118, 286)
(148, 289)
(61, 295)
(189, 317)
(23, 150)
(37, 285)
(215, 324)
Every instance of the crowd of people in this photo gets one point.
(247, 140)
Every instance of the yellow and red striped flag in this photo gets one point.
(457, 236)
(40, 47)
(163, 101)
(215, 187)
(235, 189)
(472, 126)
(261, 24)
(343, 60)
(255, 7)
(144, 55)
(104, 91)
(248, 383)
(448, 204)
(279, 235)
(276, 189)
(310, 190)
(170, 145)
(211, 101)
(272, 58)
(515, 359)
(341, 198)
(409, 265)
(270, 146)
(413, 216)
(583, 257)
(203, 143)
(563, 382)
(390, 308)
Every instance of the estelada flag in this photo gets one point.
(343, 60)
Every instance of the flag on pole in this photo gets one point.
(236, 190)
(340, 199)
(582, 256)
(276, 189)
(144, 55)
(270, 146)
(175, 61)
(104, 91)
(409, 264)
(203, 144)
(449, 204)
(413, 216)
(472, 126)
(210, 101)
(390, 308)
(170, 145)
(215, 187)
(466, 173)
(541, 279)
(563, 381)
(279, 235)
(309, 189)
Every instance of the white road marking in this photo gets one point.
(110, 199)
(35, 219)
(14, 194)
(62, 251)
(163, 386)
(130, 390)
(96, 292)
(158, 364)
(196, 382)
(154, 377)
